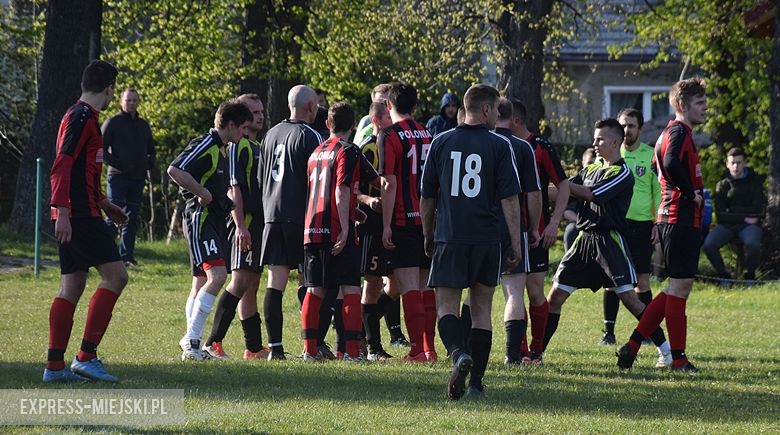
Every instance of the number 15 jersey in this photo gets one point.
(469, 170)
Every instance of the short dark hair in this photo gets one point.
(519, 110)
(682, 92)
(633, 113)
(97, 76)
(253, 97)
(131, 90)
(479, 94)
(612, 124)
(341, 117)
(736, 151)
(505, 109)
(376, 109)
(403, 96)
(232, 110)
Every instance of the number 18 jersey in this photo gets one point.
(469, 170)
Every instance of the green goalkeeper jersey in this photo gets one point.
(647, 191)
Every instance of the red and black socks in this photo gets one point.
(60, 325)
(538, 315)
(677, 324)
(353, 322)
(414, 316)
(98, 316)
(310, 318)
(429, 308)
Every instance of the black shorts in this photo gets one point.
(206, 238)
(538, 259)
(282, 244)
(409, 248)
(461, 265)
(681, 246)
(323, 269)
(596, 261)
(246, 260)
(375, 260)
(506, 250)
(638, 237)
(91, 244)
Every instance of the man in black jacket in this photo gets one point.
(128, 149)
(739, 205)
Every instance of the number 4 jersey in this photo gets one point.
(469, 170)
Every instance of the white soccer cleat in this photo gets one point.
(190, 350)
(664, 360)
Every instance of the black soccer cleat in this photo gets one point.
(460, 371)
(474, 392)
(609, 338)
(687, 368)
(625, 358)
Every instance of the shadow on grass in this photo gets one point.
(632, 395)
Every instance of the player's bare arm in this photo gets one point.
(184, 180)
(388, 188)
(114, 212)
(427, 212)
(534, 200)
(512, 215)
(550, 234)
(342, 204)
(243, 237)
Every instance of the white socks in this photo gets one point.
(201, 308)
(188, 308)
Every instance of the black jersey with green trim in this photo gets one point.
(612, 187)
(283, 177)
(243, 159)
(204, 159)
(469, 170)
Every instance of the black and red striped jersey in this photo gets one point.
(77, 170)
(333, 164)
(526, 167)
(402, 149)
(679, 174)
(548, 164)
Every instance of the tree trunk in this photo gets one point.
(772, 221)
(289, 19)
(521, 41)
(255, 49)
(71, 41)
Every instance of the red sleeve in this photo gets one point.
(551, 164)
(70, 143)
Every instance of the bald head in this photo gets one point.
(303, 103)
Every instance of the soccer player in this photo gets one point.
(364, 128)
(402, 150)
(513, 280)
(678, 224)
(550, 171)
(84, 240)
(200, 173)
(331, 252)
(641, 217)
(470, 171)
(245, 234)
(284, 154)
(375, 301)
(599, 257)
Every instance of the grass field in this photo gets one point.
(733, 338)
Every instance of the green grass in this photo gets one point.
(733, 338)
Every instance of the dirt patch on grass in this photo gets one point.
(12, 263)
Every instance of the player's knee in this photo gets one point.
(117, 281)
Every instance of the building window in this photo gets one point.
(652, 101)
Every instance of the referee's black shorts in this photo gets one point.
(506, 251)
(461, 265)
(638, 237)
(680, 244)
(91, 244)
(595, 261)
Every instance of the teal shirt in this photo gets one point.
(647, 191)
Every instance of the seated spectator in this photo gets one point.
(572, 208)
(447, 117)
(739, 206)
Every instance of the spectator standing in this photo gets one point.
(128, 149)
(447, 117)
